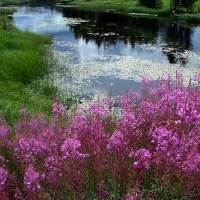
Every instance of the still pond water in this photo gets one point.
(107, 53)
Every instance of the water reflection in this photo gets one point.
(117, 49)
(110, 28)
(178, 39)
(111, 86)
(49, 4)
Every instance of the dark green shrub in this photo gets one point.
(151, 3)
(188, 4)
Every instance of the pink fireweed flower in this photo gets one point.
(18, 194)
(197, 77)
(116, 142)
(167, 146)
(146, 84)
(108, 101)
(190, 152)
(4, 130)
(27, 149)
(153, 92)
(129, 100)
(147, 110)
(98, 109)
(53, 163)
(157, 136)
(58, 110)
(69, 149)
(80, 124)
(178, 150)
(135, 193)
(54, 166)
(3, 178)
(179, 77)
(191, 163)
(142, 159)
(32, 179)
(146, 81)
(165, 139)
(2, 160)
(33, 125)
(23, 112)
(128, 121)
(132, 198)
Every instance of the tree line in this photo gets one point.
(175, 4)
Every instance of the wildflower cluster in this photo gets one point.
(151, 150)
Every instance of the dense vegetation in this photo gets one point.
(11, 2)
(160, 8)
(147, 148)
(151, 4)
(174, 4)
(188, 4)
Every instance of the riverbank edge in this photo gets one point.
(8, 7)
(15, 94)
(133, 11)
(37, 95)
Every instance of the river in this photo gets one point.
(106, 53)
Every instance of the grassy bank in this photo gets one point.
(6, 10)
(124, 7)
(22, 61)
(7, 6)
(190, 18)
(127, 7)
(11, 2)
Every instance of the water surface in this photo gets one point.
(108, 53)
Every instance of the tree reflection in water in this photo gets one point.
(108, 29)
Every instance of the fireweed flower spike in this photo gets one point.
(3, 178)
(32, 180)
(147, 149)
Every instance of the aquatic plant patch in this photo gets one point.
(99, 60)
(149, 150)
(59, 20)
(80, 73)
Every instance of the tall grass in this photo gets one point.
(22, 61)
(21, 54)
(7, 11)
(24, 73)
(149, 149)
(15, 96)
